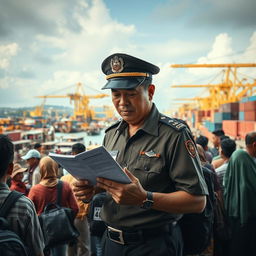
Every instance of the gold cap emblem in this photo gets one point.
(117, 64)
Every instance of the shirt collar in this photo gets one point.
(149, 125)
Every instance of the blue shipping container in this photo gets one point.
(246, 99)
(241, 116)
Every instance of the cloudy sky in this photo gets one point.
(46, 47)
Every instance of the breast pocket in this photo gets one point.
(150, 171)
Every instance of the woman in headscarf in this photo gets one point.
(46, 192)
(239, 195)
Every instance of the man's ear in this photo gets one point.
(151, 91)
(10, 169)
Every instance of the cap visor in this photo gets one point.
(121, 83)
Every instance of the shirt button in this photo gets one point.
(146, 168)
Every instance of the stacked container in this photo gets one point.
(247, 116)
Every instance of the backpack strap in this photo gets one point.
(9, 202)
(59, 192)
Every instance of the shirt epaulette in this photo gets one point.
(113, 125)
(173, 122)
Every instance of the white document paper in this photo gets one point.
(92, 164)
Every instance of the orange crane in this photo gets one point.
(82, 110)
(230, 90)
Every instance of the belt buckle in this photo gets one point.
(120, 235)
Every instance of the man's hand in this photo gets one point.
(83, 190)
(128, 194)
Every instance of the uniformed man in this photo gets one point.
(159, 156)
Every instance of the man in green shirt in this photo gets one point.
(159, 156)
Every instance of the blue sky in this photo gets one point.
(47, 46)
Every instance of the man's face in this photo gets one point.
(31, 161)
(251, 149)
(39, 149)
(18, 176)
(215, 140)
(133, 105)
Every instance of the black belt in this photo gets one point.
(135, 236)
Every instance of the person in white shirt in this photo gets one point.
(228, 146)
(33, 175)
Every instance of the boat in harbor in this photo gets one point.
(73, 138)
(64, 147)
(93, 131)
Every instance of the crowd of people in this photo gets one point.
(164, 163)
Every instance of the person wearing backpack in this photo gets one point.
(46, 192)
(21, 219)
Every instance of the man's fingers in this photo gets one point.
(130, 175)
(84, 195)
(81, 183)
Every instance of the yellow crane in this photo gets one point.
(201, 103)
(82, 111)
(38, 111)
(230, 90)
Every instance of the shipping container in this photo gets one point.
(230, 107)
(250, 106)
(251, 98)
(241, 116)
(245, 127)
(220, 116)
(250, 115)
(230, 127)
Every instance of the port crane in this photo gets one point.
(230, 90)
(38, 111)
(82, 111)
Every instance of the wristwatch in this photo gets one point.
(148, 203)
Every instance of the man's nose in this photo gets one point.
(123, 100)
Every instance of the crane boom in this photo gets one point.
(197, 85)
(224, 65)
(230, 90)
(81, 101)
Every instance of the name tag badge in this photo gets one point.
(150, 154)
(114, 153)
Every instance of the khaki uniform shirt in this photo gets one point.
(162, 155)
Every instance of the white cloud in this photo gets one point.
(7, 52)
(98, 34)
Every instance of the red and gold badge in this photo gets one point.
(191, 147)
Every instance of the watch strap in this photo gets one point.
(148, 202)
(149, 196)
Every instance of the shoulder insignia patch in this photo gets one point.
(190, 147)
(113, 125)
(174, 123)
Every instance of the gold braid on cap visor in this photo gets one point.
(127, 75)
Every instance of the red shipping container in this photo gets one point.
(250, 127)
(245, 127)
(250, 106)
(241, 107)
(250, 115)
(241, 129)
(230, 127)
